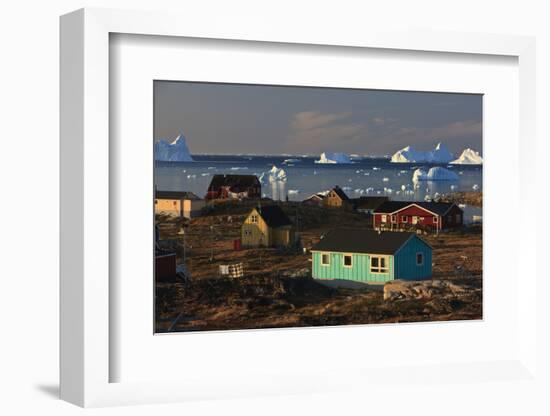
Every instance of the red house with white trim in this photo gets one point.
(404, 215)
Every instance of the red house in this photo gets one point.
(234, 187)
(434, 216)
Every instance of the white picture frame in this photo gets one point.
(86, 334)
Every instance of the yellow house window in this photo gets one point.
(348, 260)
(254, 219)
(379, 264)
(325, 259)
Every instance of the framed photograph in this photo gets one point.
(270, 212)
(306, 206)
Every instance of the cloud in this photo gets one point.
(314, 131)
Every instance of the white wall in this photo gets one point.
(29, 172)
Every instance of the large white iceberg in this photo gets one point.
(333, 158)
(440, 154)
(468, 157)
(176, 151)
(434, 174)
(277, 174)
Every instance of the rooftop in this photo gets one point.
(274, 216)
(353, 240)
(339, 191)
(369, 202)
(439, 208)
(233, 180)
(175, 195)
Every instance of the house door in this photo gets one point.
(415, 220)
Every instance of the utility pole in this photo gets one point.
(181, 233)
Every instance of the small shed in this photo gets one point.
(370, 256)
(336, 198)
(268, 226)
(181, 204)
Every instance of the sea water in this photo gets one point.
(364, 177)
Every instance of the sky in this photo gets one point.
(260, 119)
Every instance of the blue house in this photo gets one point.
(370, 256)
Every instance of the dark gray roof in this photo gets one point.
(353, 240)
(392, 206)
(175, 195)
(274, 216)
(439, 208)
(238, 181)
(369, 202)
(340, 192)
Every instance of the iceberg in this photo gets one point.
(287, 161)
(468, 157)
(434, 174)
(440, 154)
(176, 151)
(333, 158)
(409, 155)
(277, 174)
(419, 175)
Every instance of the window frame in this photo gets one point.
(379, 268)
(323, 263)
(419, 253)
(344, 260)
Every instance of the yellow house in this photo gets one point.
(268, 226)
(178, 204)
(336, 198)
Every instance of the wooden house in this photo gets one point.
(178, 204)
(370, 256)
(430, 216)
(336, 198)
(268, 226)
(234, 187)
(367, 204)
(315, 199)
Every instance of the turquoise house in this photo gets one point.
(370, 256)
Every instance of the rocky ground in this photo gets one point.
(277, 290)
(474, 199)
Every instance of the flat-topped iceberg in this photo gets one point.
(176, 151)
(434, 174)
(333, 158)
(440, 154)
(468, 157)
